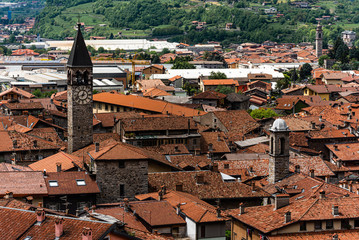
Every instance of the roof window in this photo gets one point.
(80, 182)
(53, 183)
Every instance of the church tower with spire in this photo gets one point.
(79, 95)
(319, 41)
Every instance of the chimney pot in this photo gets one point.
(59, 227)
(86, 233)
(58, 167)
(40, 215)
(322, 194)
(241, 208)
(8, 195)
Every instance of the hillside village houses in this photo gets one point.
(88, 154)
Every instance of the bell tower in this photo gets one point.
(319, 41)
(279, 151)
(79, 95)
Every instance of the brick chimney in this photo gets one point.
(126, 204)
(86, 233)
(281, 200)
(59, 227)
(97, 146)
(287, 217)
(8, 195)
(40, 215)
(241, 208)
(58, 167)
(335, 210)
(322, 194)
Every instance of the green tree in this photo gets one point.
(224, 89)
(101, 50)
(305, 71)
(283, 83)
(261, 113)
(294, 75)
(217, 75)
(183, 63)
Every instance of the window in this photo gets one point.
(106, 107)
(303, 226)
(111, 108)
(121, 164)
(53, 183)
(329, 224)
(122, 190)
(345, 224)
(203, 231)
(80, 182)
(318, 225)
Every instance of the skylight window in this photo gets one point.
(80, 182)
(53, 183)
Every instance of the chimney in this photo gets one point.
(336, 147)
(335, 237)
(160, 195)
(313, 125)
(40, 215)
(163, 189)
(218, 212)
(44, 173)
(14, 143)
(59, 227)
(281, 200)
(311, 173)
(35, 143)
(327, 179)
(320, 118)
(297, 168)
(97, 146)
(218, 137)
(176, 149)
(335, 210)
(8, 195)
(350, 187)
(322, 194)
(178, 209)
(241, 208)
(86, 233)
(287, 217)
(253, 186)
(58, 167)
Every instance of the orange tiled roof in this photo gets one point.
(215, 82)
(145, 104)
(19, 92)
(66, 160)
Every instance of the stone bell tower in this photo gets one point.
(279, 151)
(79, 95)
(319, 41)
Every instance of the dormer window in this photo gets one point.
(53, 183)
(80, 182)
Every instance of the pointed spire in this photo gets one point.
(79, 56)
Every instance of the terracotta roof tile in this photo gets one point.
(17, 91)
(23, 183)
(209, 95)
(66, 160)
(212, 188)
(67, 183)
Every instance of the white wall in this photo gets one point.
(191, 229)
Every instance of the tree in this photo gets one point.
(294, 75)
(305, 71)
(261, 113)
(224, 89)
(283, 83)
(101, 50)
(182, 63)
(217, 75)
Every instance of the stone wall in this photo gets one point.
(110, 175)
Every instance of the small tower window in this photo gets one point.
(282, 146)
(271, 145)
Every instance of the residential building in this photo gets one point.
(213, 84)
(15, 94)
(210, 98)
